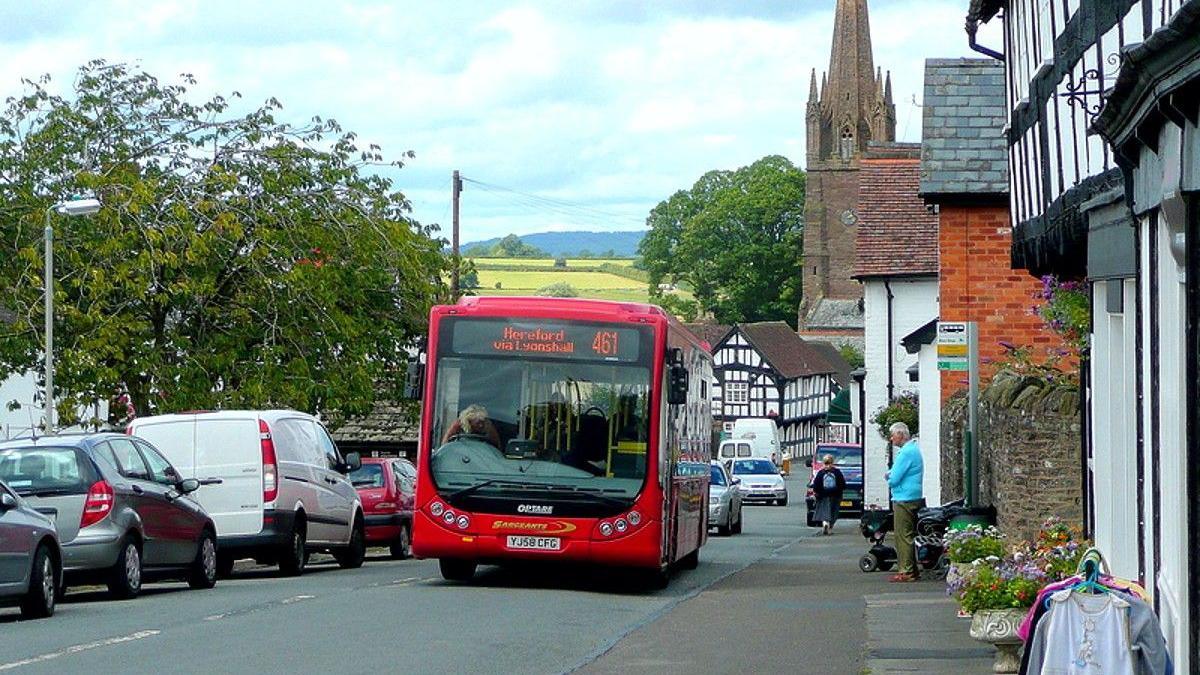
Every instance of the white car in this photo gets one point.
(761, 481)
(275, 484)
(724, 500)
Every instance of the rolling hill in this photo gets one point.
(570, 244)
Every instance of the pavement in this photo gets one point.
(773, 599)
(805, 608)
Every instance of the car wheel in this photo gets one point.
(783, 502)
(39, 600)
(737, 525)
(204, 567)
(125, 578)
(725, 529)
(352, 556)
(868, 563)
(454, 569)
(402, 547)
(293, 557)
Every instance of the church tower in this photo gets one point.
(852, 107)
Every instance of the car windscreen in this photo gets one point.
(841, 456)
(45, 471)
(717, 477)
(754, 466)
(561, 417)
(367, 476)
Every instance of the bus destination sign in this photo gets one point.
(548, 339)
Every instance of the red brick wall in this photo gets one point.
(977, 283)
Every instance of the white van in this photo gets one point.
(276, 485)
(762, 435)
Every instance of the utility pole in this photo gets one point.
(456, 190)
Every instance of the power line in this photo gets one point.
(556, 206)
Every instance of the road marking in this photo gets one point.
(296, 598)
(258, 608)
(140, 635)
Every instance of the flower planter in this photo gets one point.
(998, 627)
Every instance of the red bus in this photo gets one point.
(562, 430)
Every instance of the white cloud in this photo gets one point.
(610, 106)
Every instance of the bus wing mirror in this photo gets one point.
(678, 389)
(414, 380)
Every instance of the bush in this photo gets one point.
(905, 408)
(560, 262)
(853, 355)
(558, 290)
(498, 286)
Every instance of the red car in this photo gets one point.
(386, 486)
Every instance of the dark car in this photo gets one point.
(848, 458)
(30, 558)
(386, 487)
(120, 509)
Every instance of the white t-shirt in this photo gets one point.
(1087, 634)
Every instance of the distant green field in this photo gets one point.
(482, 263)
(599, 285)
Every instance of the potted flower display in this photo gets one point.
(997, 585)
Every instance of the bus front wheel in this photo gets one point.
(690, 561)
(454, 569)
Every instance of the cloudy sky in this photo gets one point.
(576, 114)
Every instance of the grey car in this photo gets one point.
(724, 500)
(30, 558)
(121, 510)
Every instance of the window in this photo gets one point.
(331, 452)
(129, 460)
(737, 392)
(161, 470)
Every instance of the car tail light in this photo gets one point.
(270, 467)
(98, 504)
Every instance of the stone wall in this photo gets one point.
(1029, 449)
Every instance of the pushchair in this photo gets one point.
(932, 523)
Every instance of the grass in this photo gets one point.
(482, 263)
(597, 285)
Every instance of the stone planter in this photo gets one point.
(998, 627)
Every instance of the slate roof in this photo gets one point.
(709, 332)
(835, 314)
(786, 351)
(897, 234)
(386, 423)
(963, 149)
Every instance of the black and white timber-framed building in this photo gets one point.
(1104, 100)
(767, 370)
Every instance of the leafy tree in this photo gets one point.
(560, 261)
(560, 289)
(736, 239)
(853, 355)
(512, 247)
(238, 260)
(469, 279)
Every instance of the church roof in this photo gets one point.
(963, 150)
(897, 234)
(787, 353)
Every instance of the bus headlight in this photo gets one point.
(463, 522)
(606, 529)
(621, 525)
(436, 509)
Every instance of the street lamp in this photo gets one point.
(71, 207)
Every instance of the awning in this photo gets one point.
(839, 408)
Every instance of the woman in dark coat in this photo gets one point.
(828, 485)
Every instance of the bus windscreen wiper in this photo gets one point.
(478, 486)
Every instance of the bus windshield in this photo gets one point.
(571, 424)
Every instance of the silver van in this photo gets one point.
(281, 487)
